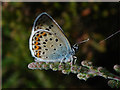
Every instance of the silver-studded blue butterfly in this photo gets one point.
(48, 42)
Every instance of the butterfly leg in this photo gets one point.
(36, 60)
(63, 62)
(74, 59)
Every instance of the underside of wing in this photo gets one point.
(44, 21)
(46, 46)
(59, 46)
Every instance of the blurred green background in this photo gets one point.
(79, 21)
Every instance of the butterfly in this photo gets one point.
(48, 42)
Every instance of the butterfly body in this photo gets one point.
(47, 42)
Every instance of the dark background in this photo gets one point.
(79, 21)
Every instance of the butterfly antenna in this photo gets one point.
(83, 41)
(109, 36)
(75, 46)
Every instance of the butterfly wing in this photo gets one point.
(48, 42)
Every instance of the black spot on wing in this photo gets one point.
(46, 49)
(44, 42)
(41, 33)
(43, 53)
(47, 29)
(60, 44)
(51, 45)
(51, 25)
(50, 39)
(56, 40)
(44, 46)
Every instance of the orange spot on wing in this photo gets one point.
(37, 47)
(36, 39)
(36, 43)
(39, 35)
(38, 54)
(43, 33)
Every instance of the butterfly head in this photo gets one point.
(75, 48)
